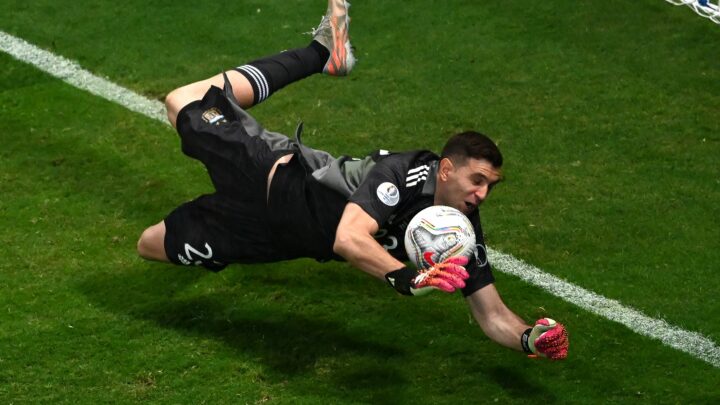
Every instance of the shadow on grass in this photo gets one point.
(318, 353)
(287, 343)
(517, 386)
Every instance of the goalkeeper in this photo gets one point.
(276, 199)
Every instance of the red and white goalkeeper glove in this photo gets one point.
(546, 339)
(447, 276)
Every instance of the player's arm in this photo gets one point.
(547, 338)
(495, 319)
(354, 241)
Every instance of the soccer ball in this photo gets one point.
(437, 233)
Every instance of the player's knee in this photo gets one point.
(173, 104)
(144, 244)
(151, 244)
(173, 97)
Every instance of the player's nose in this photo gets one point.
(481, 193)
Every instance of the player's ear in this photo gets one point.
(445, 167)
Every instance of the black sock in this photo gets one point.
(272, 73)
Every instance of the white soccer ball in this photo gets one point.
(437, 233)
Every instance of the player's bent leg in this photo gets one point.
(182, 96)
(151, 244)
(330, 52)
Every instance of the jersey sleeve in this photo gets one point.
(381, 193)
(478, 267)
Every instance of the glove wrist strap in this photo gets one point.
(524, 341)
(401, 280)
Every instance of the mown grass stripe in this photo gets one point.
(690, 342)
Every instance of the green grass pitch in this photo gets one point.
(606, 113)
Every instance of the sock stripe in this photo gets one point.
(251, 74)
(259, 79)
(263, 81)
(253, 84)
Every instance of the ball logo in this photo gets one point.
(389, 194)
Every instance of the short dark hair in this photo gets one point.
(471, 144)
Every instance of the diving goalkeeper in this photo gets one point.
(277, 199)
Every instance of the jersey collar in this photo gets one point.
(429, 186)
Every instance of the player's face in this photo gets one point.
(465, 186)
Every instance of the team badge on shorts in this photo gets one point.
(389, 194)
(213, 116)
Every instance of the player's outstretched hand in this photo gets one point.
(548, 339)
(448, 276)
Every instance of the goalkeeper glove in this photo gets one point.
(446, 276)
(547, 339)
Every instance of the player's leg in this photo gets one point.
(329, 52)
(213, 231)
(182, 96)
(254, 82)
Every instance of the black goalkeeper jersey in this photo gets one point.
(307, 199)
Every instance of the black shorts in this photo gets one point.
(229, 226)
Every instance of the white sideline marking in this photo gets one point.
(70, 72)
(689, 342)
(692, 343)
